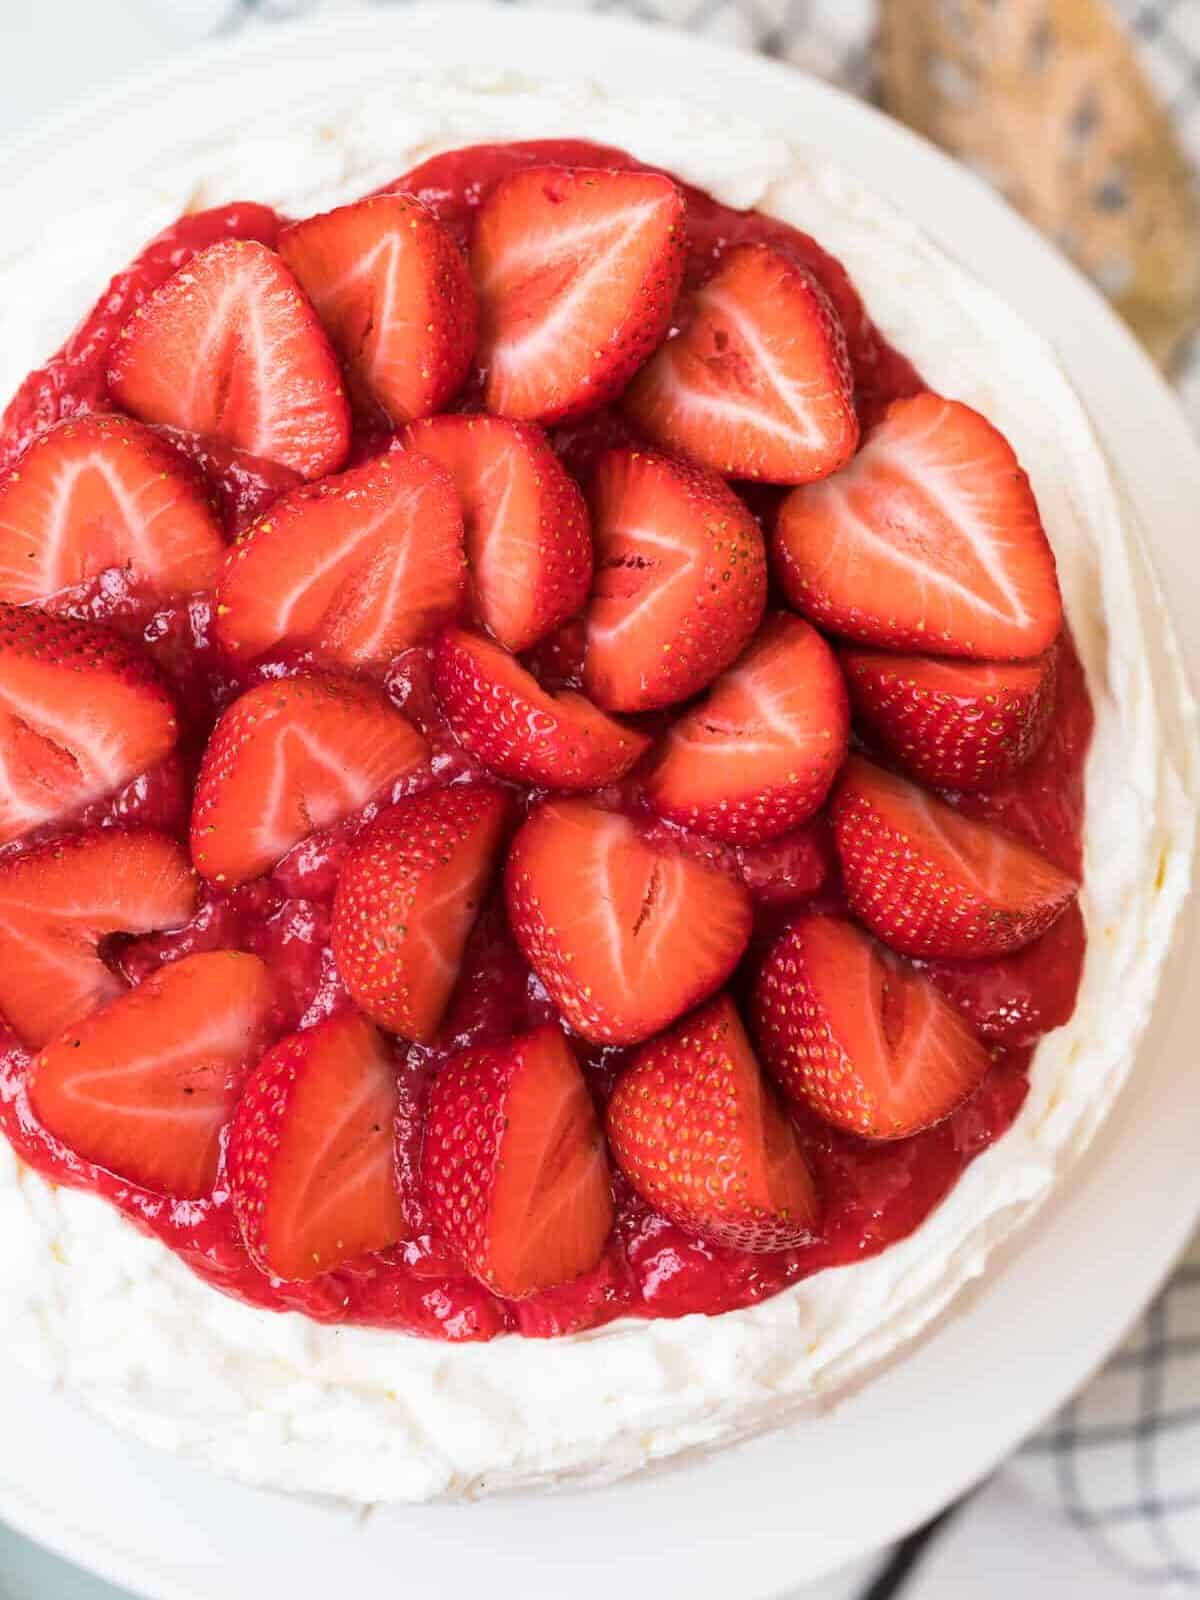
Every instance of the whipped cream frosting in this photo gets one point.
(95, 1308)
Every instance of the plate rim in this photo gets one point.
(777, 79)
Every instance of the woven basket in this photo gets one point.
(1047, 99)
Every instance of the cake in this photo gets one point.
(419, 1347)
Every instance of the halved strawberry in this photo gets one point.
(529, 548)
(696, 1129)
(61, 901)
(394, 294)
(81, 712)
(681, 581)
(625, 934)
(513, 1167)
(758, 754)
(757, 382)
(355, 568)
(932, 882)
(146, 1086)
(230, 346)
(101, 493)
(502, 715)
(72, 380)
(930, 540)
(288, 757)
(962, 725)
(577, 269)
(862, 1038)
(410, 889)
(312, 1152)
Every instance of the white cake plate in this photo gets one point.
(751, 1521)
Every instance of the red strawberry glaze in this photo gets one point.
(873, 1195)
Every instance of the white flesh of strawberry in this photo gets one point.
(312, 779)
(95, 753)
(736, 411)
(389, 570)
(121, 543)
(600, 244)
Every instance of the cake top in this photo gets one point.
(474, 645)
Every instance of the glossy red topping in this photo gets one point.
(360, 574)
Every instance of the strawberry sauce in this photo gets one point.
(872, 1195)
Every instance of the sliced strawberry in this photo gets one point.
(58, 904)
(293, 755)
(757, 755)
(73, 380)
(81, 713)
(146, 1086)
(230, 346)
(757, 382)
(626, 935)
(312, 1153)
(97, 494)
(859, 1036)
(681, 581)
(695, 1128)
(962, 725)
(577, 270)
(502, 715)
(930, 540)
(355, 568)
(394, 294)
(407, 898)
(528, 544)
(932, 882)
(513, 1167)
